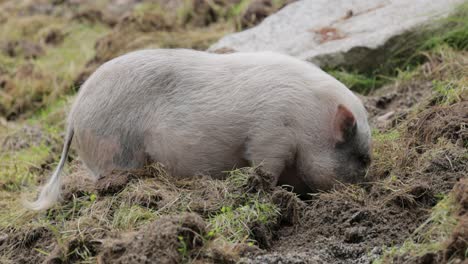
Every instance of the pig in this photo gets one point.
(203, 113)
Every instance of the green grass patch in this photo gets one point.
(19, 168)
(70, 56)
(360, 83)
(234, 224)
(52, 74)
(128, 217)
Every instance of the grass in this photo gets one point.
(130, 217)
(42, 80)
(86, 210)
(358, 82)
(396, 156)
(21, 167)
(234, 224)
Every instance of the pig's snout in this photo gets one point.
(353, 170)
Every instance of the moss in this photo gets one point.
(451, 91)
(17, 167)
(360, 83)
(234, 224)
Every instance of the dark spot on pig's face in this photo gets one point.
(353, 157)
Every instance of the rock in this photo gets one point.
(385, 117)
(355, 234)
(331, 33)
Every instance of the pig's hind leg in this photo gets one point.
(103, 154)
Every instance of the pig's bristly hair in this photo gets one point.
(50, 192)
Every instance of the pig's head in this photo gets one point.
(344, 154)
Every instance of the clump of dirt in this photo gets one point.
(389, 105)
(436, 122)
(86, 244)
(113, 182)
(145, 22)
(341, 230)
(24, 244)
(93, 16)
(458, 242)
(173, 237)
(167, 240)
(258, 10)
(289, 205)
(77, 185)
(259, 180)
(23, 48)
(457, 245)
(201, 13)
(224, 50)
(52, 36)
(25, 137)
(27, 71)
(460, 191)
(454, 248)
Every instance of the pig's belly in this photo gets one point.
(185, 155)
(102, 154)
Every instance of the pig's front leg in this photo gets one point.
(273, 152)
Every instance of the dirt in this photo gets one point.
(23, 244)
(339, 231)
(258, 10)
(441, 121)
(23, 48)
(53, 36)
(158, 242)
(458, 242)
(390, 104)
(24, 137)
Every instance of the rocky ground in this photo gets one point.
(413, 209)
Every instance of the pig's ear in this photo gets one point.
(344, 126)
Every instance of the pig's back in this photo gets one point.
(185, 107)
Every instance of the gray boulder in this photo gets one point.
(330, 33)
